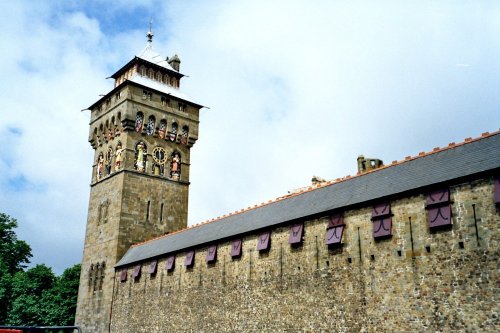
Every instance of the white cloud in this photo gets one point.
(295, 89)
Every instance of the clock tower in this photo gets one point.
(141, 132)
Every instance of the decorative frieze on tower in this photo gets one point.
(141, 132)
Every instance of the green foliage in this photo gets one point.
(35, 296)
(59, 303)
(14, 253)
(5, 290)
(27, 290)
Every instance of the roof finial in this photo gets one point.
(150, 33)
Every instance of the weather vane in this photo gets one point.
(150, 32)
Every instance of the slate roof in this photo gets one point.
(161, 87)
(149, 54)
(454, 162)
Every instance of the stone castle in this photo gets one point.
(411, 246)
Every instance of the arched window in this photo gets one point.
(158, 76)
(175, 165)
(184, 135)
(142, 70)
(151, 74)
(101, 134)
(141, 151)
(107, 133)
(95, 137)
(159, 161)
(118, 124)
(172, 135)
(150, 127)
(139, 120)
(166, 79)
(100, 166)
(91, 277)
(101, 275)
(162, 129)
(96, 276)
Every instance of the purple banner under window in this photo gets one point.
(335, 221)
(189, 261)
(211, 253)
(497, 191)
(382, 209)
(137, 272)
(440, 196)
(334, 235)
(123, 275)
(296, 232)
(152, 267)
(263, 241)
(382, 227)
(170, 263)
(236, 248)
(439, 216)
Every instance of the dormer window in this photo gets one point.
(146, 95)
(118, 95)
(181, 107)
(151, 74)
(164, 101)
(142, 70)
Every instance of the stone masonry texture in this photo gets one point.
(446, 282)
(127, 206)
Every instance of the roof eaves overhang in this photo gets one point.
(121, 85)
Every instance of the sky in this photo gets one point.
(292, 88)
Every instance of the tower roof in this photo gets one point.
(149, 55)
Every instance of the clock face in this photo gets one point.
(159, 155)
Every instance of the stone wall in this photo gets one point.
(446, 281)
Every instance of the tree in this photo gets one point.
(58, 305)
(34, 296)
(14, 253)
(27, 290)
(5, 290)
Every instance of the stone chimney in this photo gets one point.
(317, 180)
(368, 164)
(175, 62)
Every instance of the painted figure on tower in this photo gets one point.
(140, 156)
